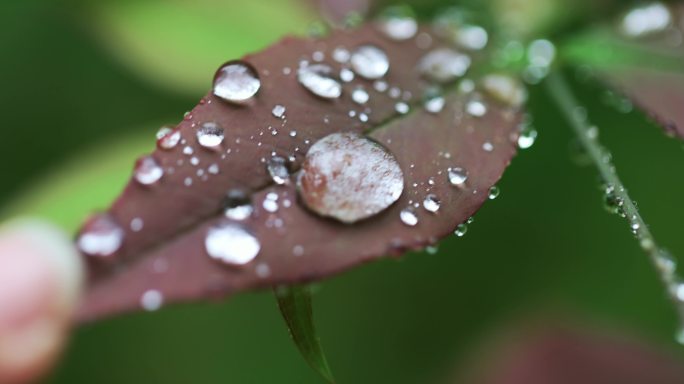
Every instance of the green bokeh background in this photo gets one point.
(80, 102)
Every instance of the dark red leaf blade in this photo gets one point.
(168, 255)
(648, 69)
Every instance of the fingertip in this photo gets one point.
(40, 279)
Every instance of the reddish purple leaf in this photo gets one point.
(163, 252)
(561, 356)
(651, 73)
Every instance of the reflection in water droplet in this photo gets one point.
(151, 300)
(277, 168)
(101, 236)
(318, 80)
(236, 82)
(457, 176)
(527, 137)
(231, 244)
(147, 171)
(431, 203)
(349, 178)
(370, 62)
(408, 217)
(494, 192)
(444, 65)
(210, 135)
(360, 96)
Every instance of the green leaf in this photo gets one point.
(295, 306)
(179, 44)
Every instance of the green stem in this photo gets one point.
(616, 192)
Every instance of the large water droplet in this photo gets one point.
(457, 176)
(431, 203)
(527, 137)
(277, 168)
(236, 82)
(318, 80)
(370, 62)
(101, 236)
(646, 20)
(348, 177)
(444, 65)
(147, 171)
(210, 135)
(231, 244)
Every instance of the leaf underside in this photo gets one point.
(297, 310)
(648, 70)
(177, 217)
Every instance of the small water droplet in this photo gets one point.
(236, 82)
(270, 203)
(457, 176)
(277, 168)
(101, 236)
(494, 192)
(402, 107)
(237, 205)
(505, 89)
(298, 250)
(408, 217)
(349, 178)
(360, 96)
(370, 62)
(431, 203)
(380, 85)
(147, 171)
(476, 108)
(213, 169)
(167, 138)
(444, 65)
(434, 104)
(472, 37)
(461, 230)
(398, 23)
(136, 224)
(487, 146)
(278, 111)
(347, 75)
(527, 137)
(541, 53)
(231, 244)
(318, 80)
(341, 55)
(210, 135)
(151, 300)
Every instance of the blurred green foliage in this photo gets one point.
(75, 117)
